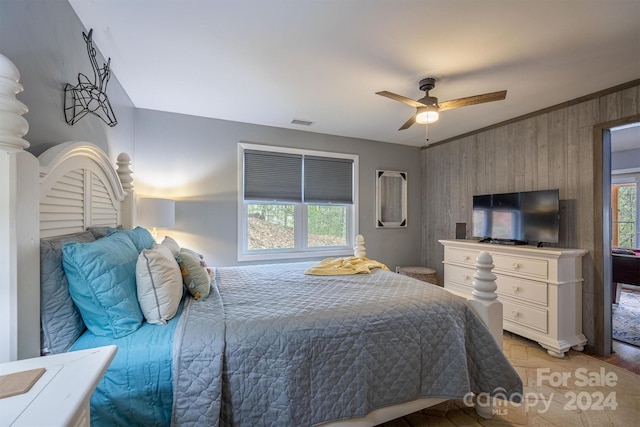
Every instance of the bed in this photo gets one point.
(269, 345)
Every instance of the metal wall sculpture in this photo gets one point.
(89, 96)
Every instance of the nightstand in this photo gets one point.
(61, 395)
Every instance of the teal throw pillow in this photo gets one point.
(141, 237)
(102, 284)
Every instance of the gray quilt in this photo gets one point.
(272, 346)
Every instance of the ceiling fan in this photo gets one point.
(428, 108)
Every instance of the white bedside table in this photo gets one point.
(61, 396)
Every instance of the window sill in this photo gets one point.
(270, 256)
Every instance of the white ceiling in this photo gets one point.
(268, 62)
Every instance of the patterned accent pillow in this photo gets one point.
(196, 275)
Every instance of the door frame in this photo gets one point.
(602, 233)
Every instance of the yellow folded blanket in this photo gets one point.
(347, 265)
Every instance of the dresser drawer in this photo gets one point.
(534, 268)
(461, 256)
(459, 289)
(461, 275)
(530, 317)
(525, 290)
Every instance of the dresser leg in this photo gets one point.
(555, 354)
(579, 347)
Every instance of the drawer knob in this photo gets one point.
(466, 257)
(515, 313)
(467, 277)
(516, 289)
(516, 266)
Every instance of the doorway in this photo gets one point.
(602, 220)
(625, 232)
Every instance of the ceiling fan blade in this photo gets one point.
(400, 98)
(472, 100)
(408, 123)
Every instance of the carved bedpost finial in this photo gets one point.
(124, 171)
(484, 281)
(485, 299)
(13, 126)
(359, 250)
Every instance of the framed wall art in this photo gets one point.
(391, 199)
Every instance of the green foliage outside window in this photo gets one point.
(625, 226)
(327, 225)
(271, 226)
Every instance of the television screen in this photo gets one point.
(531, 216)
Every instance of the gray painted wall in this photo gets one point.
(192, 159)
(195, 161)
(43, 38)
(626, 159)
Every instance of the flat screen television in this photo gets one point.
(517, 218)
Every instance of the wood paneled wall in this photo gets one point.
(554, 148)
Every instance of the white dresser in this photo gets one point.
(540, 289)
(61, 396)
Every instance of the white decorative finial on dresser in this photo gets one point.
(359, 250)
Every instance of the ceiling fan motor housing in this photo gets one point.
(428, 100)
(427, 84)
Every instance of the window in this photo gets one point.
(624, 215)
(295, 203)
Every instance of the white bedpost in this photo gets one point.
(359, 250)
(485, 299)
(19, 226)
(128, 212)
(485, 304)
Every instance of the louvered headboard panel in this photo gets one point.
(103, 211)
(79, 189)
(62, 209)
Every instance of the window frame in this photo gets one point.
(300, 250)
(626, 179)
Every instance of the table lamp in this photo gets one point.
(153, 213)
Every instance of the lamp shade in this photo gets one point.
(156, 213)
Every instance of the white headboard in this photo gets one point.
(70, 187)
(79, 188)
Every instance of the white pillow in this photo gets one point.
(172, 245)
(159, 284)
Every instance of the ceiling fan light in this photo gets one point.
(427, 115)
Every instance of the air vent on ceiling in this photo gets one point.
(301, 122)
